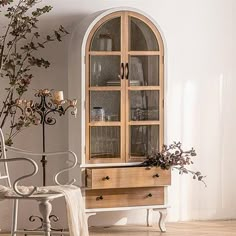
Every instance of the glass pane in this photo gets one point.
(144, 70)
(143, 140)
(107, 37)
(105, 71)
(141, 36)
(144, 105)
(105, 106)
(105, 142)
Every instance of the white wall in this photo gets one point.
(200, 108)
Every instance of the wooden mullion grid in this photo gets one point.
(146, 88)
(104, 123)
(126, 60)
(88, 89)
(123, 91)
(144, 122)
(105, 53)
(144, 53)
(105, 88)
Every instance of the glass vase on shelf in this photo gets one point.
(96, 72)
(105, 42)
(97, 114)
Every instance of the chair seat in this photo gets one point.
(43, 196)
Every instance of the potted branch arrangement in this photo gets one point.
(20, 40)
(174, 157)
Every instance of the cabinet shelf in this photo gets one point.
(105, 88)
(140, 88)
(105, 53)
(145, 53)
(104, 123)
(144, 122)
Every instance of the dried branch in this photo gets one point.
(173, 156)
(19, 44)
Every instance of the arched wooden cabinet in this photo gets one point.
(116, 69)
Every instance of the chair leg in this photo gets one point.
(14, 217)
(45, 208)
(162, 220)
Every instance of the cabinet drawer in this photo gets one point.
(127, 177)
(105, 198)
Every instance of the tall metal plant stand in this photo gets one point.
(49, 105)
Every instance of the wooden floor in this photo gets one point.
(195, 228)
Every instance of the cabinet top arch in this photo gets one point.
(124, 29)
(88, 26)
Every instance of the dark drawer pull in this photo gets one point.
(106, 178)
(156, 176)
(149, 195)
(99, 198)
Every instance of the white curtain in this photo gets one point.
(202, 114)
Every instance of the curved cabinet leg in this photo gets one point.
(162, 220)
(149, 217)
(45, 208)
(88, 214)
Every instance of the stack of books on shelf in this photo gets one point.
(113, 83)
(134, 83)
(117, 83)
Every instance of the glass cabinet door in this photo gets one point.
(143, 140)
(105, 70)
(144, 122)
(105, 142)
(124, 89)
(105, 94)
(108, 36)
(141, 36)
(144, 115)
(144, 105)
(105, 125)
(144, 70)
(105, 106)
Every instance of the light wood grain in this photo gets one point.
(105, 198)
(104, 53)
(105, 88)
(193, 228)
(104, 123)
(128, 53)
(89, 53)
(144, 88)
(144, 122)
(127, 177)
(144, 53)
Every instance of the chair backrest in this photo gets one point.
(4, 160)
(5, 175)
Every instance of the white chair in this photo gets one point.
(44, 199)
